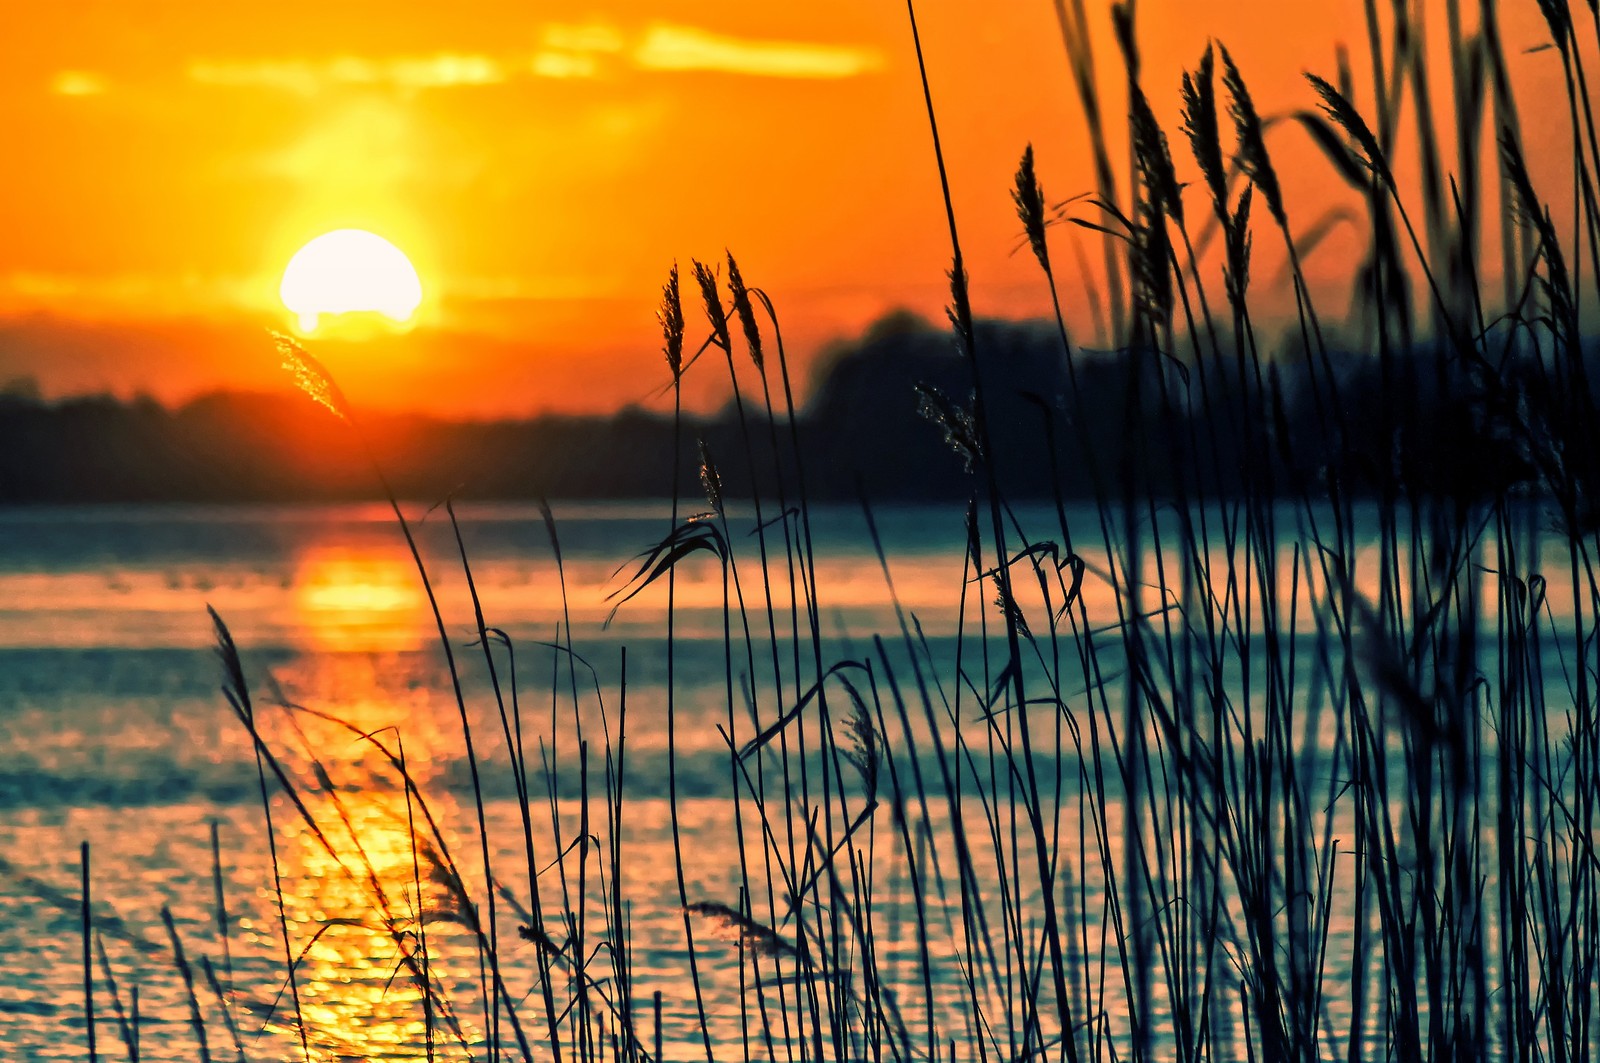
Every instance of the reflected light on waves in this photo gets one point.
(360, 600)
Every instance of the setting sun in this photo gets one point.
(350, 271)
(645, 530)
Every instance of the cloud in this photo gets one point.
(555, 64)
(567, 50)
(590, 38)
(127, 294)
(307, 77)
(576, 51)
(442, 70)
(667, 47)
(77, 83)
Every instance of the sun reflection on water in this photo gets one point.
(370, 892)
(348, 599)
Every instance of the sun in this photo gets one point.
(350, 271)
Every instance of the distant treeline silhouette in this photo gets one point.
(888, 416)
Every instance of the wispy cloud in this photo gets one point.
(307, 77)
(576, 51)
(667, 47)
(77, 83)
(589, 38)
(558, 64)
(567, 50)
(127, 294)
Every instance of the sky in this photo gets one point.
(544, 165)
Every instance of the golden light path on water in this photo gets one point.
(353, 598)
(357, 881)
(358, 886)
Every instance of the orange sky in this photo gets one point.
(544, 164)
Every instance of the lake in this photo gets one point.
(115, 731)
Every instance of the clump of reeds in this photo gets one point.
(1324, 784)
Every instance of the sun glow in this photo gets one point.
(350, 271)
(349, 599)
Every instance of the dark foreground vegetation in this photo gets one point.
(1325, 785)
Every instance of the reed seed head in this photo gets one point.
(759, 939)
(710, 479)
(1152, 250)
(746, 313)
(1344, 115)
(955, 421)
(1028, 195)
(310, 377)
(1012, 612)
(1154, 158)
(706, 277)
(1201, 128)
(671, 317)
(1253, 157)
(1236, 275)
(865, 751)
(960, 309)
(541, 940)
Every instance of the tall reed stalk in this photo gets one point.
(1278, 741)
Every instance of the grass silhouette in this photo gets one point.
(1327, 785)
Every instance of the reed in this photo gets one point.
(1282, 744)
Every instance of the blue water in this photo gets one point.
(114, 730)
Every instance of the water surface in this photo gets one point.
(114, 730)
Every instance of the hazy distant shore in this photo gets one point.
(883, 419)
